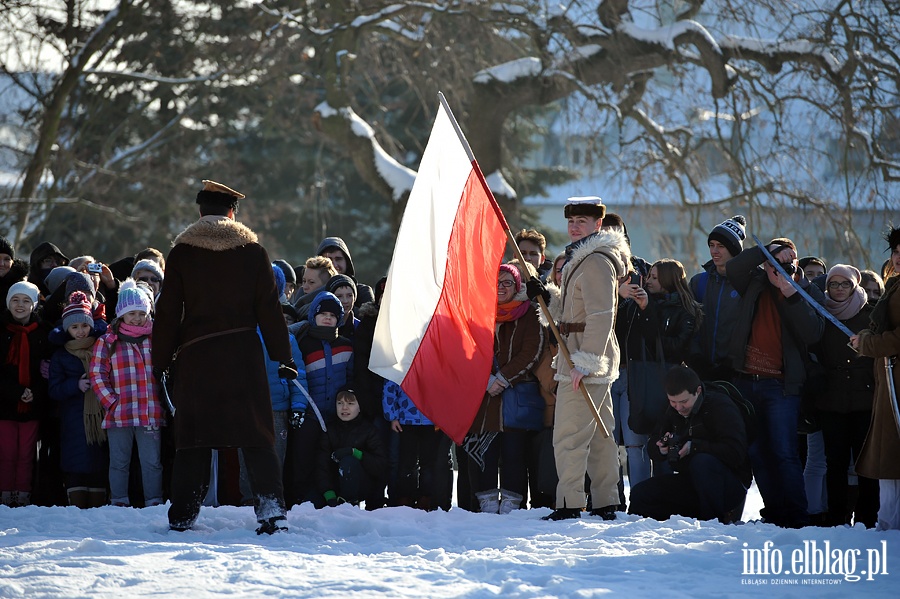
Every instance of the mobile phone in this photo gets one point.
(637, 279)
(95, 267)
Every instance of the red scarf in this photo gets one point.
(20, 351)
(512, 310)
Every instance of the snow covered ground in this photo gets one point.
(400, 552)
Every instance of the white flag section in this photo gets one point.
(435, 329)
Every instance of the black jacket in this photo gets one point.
(801, 325)
(664, 319)
(360, 434)
(714, 426)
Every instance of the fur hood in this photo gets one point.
(216, 234)
(609, 242)
(368, 309)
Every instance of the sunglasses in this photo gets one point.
(150, 279)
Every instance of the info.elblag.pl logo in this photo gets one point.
(815, 563)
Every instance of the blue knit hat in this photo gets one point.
(132, 298)
(279, 279)
(325, 302)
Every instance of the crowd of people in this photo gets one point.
(215, 375)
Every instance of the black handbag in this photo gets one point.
(522, 406)
(647, 399)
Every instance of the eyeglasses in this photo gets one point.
(841, 285)
(505, 284)
(150, 279)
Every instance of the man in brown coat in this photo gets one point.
(219, 289)
(586, 309)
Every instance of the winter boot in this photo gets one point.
(6, 498)
(96, 497)
(509, 501)
(22, 498)
(272, 525)
(78, 497)
(489, 501)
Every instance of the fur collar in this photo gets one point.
(368, 309)
(216, 235)
(611, 243)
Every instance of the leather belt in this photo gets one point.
(566, 328)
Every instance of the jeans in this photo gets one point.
(704, 489)
(149, 445)
(635, 444)
(814, 474)
(773, 455)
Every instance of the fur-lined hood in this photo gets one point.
(368, 309)
(610, 242)
(217, 234)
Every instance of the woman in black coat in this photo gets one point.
(843, 397)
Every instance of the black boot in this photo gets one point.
(271, 525)
(563, 513)
(607, 513)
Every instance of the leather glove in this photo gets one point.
(297, 419)
(534, 288)
(288, 370)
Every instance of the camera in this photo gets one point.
(789, 268)
(95, 267)
(674, 443)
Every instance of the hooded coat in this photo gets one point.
(589, 295)
(878, 457)
(219, 289)
(364, 293)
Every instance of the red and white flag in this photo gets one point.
(435, 330)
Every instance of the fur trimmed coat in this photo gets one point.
(219, 288)
(589, 295)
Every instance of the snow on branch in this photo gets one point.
(782, 50)
(399, 178)
(154, 78)
(99, 32)
(508, 72)
(666, 36)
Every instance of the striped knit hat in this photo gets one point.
(131, 298)
(78, 310)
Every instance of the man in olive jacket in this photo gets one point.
(219, 289)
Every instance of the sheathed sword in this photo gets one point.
(892, 390)
(812, 302)
(312, 404)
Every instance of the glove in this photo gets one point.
(287, 370)
(297, 419)
(534, 288)
(344, 452)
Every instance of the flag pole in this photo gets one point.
(518, 253)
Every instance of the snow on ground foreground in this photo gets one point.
(400, 552)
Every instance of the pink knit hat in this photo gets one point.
(509, 268)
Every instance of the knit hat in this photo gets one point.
(131, 298)
(150, 265)
(279, 279)
(77, 310)
(25, 288)
(585, 206)
(851, 273)
(807, 260)
(512, 270)
(730, 233)
(80, 281)
(289, 310)
(338, 281)
(289, 275)
(57, 276)
(325, 302)
(6, 247)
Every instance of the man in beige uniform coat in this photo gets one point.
(585, 308)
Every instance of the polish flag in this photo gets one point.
(435, 331)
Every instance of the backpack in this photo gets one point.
(744, 406)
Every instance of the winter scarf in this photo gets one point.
(848, 308)
(512, 310)
(134, 334)
(20, 350)
(323, 333)
(93, 413)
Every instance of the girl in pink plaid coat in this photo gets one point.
(122, 377)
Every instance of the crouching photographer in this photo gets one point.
(702, 437)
